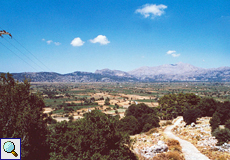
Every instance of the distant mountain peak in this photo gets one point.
(167, 72)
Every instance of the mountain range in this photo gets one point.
(167, 72)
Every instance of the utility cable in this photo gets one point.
(18, 56)
(32, 55)
(25, 55)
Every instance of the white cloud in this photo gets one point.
(173, 53)
(49, 41)
(77, 42)
(170, 52)
(57, 43)
(100, 39)
(152, 10)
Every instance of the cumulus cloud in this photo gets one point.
(49, 41)
(152, 10)
(173, 53)
(170, 52)
(100, 39)
(57, 43)
(77, 42)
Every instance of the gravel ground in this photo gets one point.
(189, 150)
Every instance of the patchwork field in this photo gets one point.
(66, 99)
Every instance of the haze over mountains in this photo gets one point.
(167, 72)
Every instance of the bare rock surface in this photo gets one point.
(189, 150)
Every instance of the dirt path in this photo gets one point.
(189, 150)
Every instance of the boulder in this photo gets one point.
(193, 124)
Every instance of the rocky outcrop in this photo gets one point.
(151, 151)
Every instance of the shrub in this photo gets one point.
(172, 142)
(227, 124)
(222, 135)
(174, 155)
(207, 106)
(147, 127)
(215, 121)
(147, 117)
(151, 131)
(174, 145)
(128, 124)
(167, 123)
(191, 115)
(93, 137)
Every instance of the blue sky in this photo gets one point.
(85, 35)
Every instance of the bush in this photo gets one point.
(207, 106)
(147, 117)
(191, 115)
(215, 121)
(227, 124)
(148, 121)
(174, 155)
(147, 127)
(128, 124)
(222, 135)
(151, 131)
(93, 137)
(169, 122)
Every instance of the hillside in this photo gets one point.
(167, 72)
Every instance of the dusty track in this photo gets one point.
(189, 150)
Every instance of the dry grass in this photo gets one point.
(151, 131)
(165, 122)
(169, 156)
(214, 155)
(193, 135)
(174, 145)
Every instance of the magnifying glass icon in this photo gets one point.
(9, 147)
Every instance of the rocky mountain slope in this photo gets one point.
(181, 72)
(70, 77)
(167, 72)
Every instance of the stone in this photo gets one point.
(160, 142)
(193, 124)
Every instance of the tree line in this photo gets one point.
(191, 107)
(96, 136)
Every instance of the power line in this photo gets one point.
(18, 56)
(32, 54)
(24, 54)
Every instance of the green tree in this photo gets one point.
(21, 117)
(222, 135)
(144, 115)
(207, 106)
(215, 121)
(148, 121)
(191, 115)
(129, 124)
(107, 101)
(172, 105)
(94, 137)
(227, 124)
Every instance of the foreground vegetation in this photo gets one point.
(97, 135)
